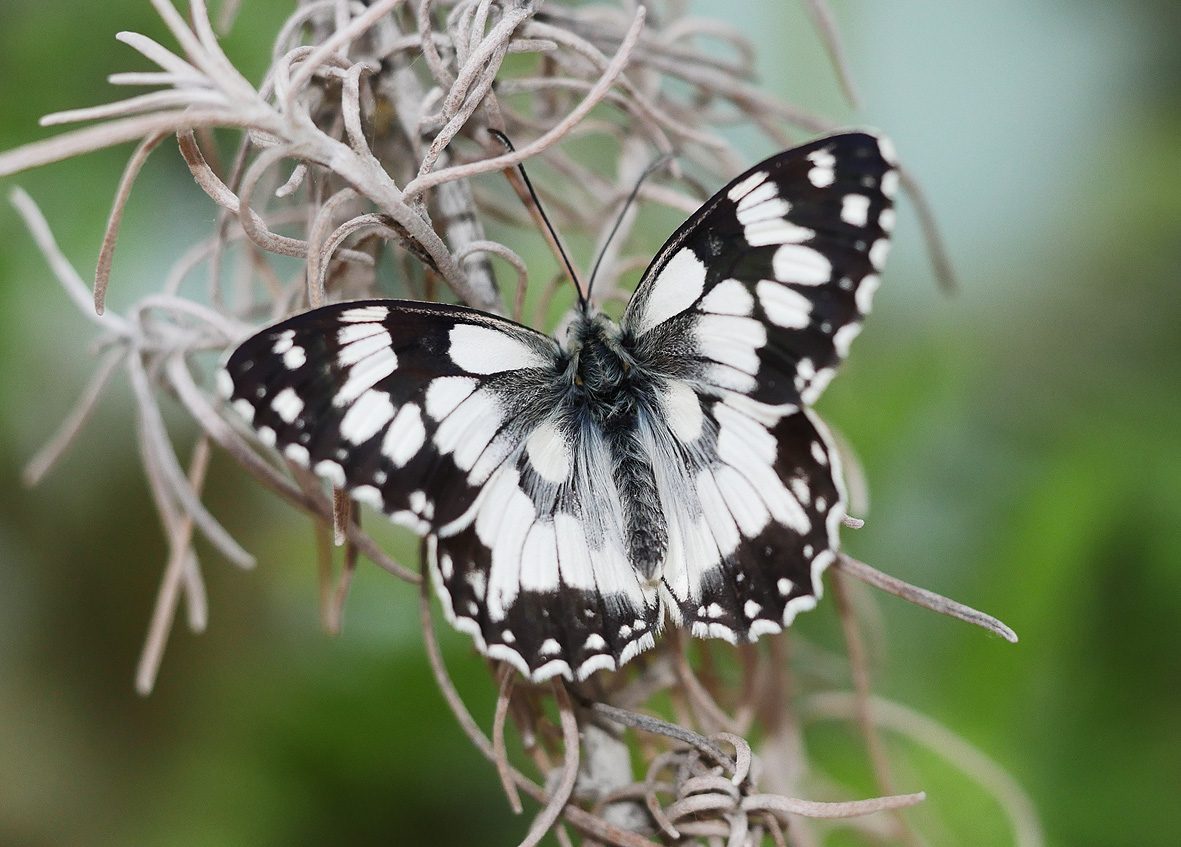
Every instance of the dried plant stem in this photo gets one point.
(647, 723)
(923, 597)
(507, 676)
(821, 16)
(181, 563)
(814, 809)
(49, 455)
(156, 439)
(102, 274)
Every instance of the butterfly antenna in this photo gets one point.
(583, 299)
(648, 171)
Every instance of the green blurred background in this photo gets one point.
(1021, 440)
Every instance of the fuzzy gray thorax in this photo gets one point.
(610, 392)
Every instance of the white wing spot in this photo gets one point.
(466, 433)
(356, 332)
(865, 291)
(243, 408)
(801, 265)
(287, 404)
(778, 231)
(405, 436)
(844, 337)
(682, 410)
(478, 580)
(297, 453)
(819, 453)
(890, 183)
(750, 450)
(764, 192)
(483, 350)
(729, 379)
(331, 471)
(855, 209)
(595, 642)
(294, 358)
(731, 340)
(784, 586)
(574, 555)
(784, 306)
(363, 347)
(729, 297)
(283, 342)
(675, 288)
(550, 647)
(774, 208)
(266, 435)
(878, 253)
(368, 495)
(549, 453)
(366, 374)
(741, 189)
(366, 314)
(887, 219)
(539, 559)
(823, 174)
(445, 393)
(365, 418)
(799, 487)
(751, 608)
(744, 502)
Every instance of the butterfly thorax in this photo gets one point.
(600, 368)
(608, 391)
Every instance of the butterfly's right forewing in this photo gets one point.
(409, 406)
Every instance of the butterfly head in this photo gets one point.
(599, 364)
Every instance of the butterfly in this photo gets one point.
(575, 494)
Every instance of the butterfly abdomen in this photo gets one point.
(644, 522)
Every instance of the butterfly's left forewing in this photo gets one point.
(742, 319)
(762, 290)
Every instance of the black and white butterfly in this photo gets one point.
(575, 494)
